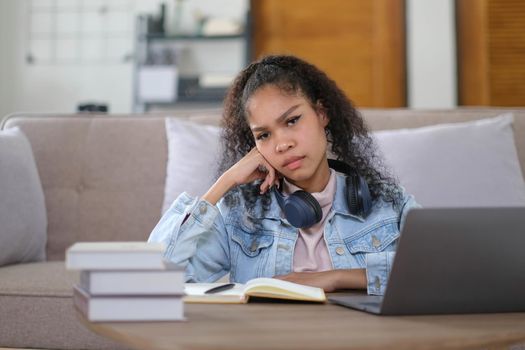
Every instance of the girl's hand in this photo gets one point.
(253, 167)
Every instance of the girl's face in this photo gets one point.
(290, 135)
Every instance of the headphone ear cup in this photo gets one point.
(358, 195)
(302, 209)
(364, 195)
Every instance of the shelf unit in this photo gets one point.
(190, 92)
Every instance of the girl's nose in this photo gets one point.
(283, 146)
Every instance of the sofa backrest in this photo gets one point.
(103, 176)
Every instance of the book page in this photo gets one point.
(274, 288)
(195, 293)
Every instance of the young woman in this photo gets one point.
(283, 118)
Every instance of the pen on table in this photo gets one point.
(220, 288)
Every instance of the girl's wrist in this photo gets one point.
(218, 190)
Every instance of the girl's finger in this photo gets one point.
(269, 179)
(264, 185)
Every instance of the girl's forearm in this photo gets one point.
(218, 190)
(331, 280)
(350, 279)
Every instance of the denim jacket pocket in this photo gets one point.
(252, 244)
(375, 239)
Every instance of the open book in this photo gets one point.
(258, 287)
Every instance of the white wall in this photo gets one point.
(431, 52)
(51, 87)
(8, 81)
(61, 87)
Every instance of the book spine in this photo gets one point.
(84, 281)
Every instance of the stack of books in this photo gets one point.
(126, 281)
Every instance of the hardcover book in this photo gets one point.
(133, 282)
(115, 255)
(129, 308)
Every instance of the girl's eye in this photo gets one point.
(293, 120)
(262, 136)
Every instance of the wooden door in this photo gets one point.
(358, 43)
(491, 52)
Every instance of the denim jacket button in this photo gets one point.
(340, 250)
(203, 208)
(253, 247)
(375, 242)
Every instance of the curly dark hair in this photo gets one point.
(347, 133)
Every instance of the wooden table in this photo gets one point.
(314, 326)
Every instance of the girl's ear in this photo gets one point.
(321, 111)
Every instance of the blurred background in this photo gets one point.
(127, 56)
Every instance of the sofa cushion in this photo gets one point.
(22, 209)
(37, 309)
(454, 165)
(193, 156)
(399, 118)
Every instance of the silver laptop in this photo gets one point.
(450, 261)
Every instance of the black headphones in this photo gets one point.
(302, 210)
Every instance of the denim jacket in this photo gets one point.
(215, 240)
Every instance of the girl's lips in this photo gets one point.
(295, 164)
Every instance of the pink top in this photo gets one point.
(311, 253)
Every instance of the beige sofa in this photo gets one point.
(103, 179)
